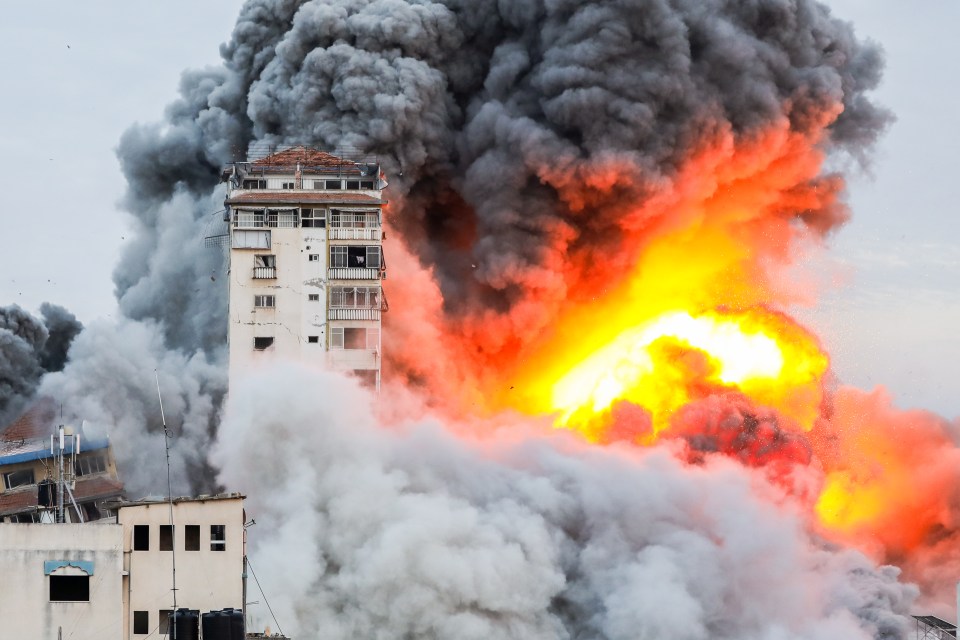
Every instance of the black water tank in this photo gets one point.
(216, 626)
(237, 631)
(184, 625)
(46, 493)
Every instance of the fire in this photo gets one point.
(660, 364)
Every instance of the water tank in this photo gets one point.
(216, 626)
(46, 493)
(184, 625)
(237, 631)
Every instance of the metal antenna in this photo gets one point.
(173, 536)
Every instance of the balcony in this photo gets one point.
(355, 233)
(353, 314)
(264, 273)
(353, 273)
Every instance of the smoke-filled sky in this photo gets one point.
(83, 75)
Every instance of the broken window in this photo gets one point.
(90, 511)
(218, 537)
(69, 588)
(27, 518)
(313, 339)
(166, 537)
(262, 343)
(90, 464)
(265, 266)
(191, 537)
(264, 302)
(251, 239)
(20, 478)
(141, 537)
(141, 622)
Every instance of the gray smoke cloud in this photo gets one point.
(409, 532)
(29, 348)
(493, 121)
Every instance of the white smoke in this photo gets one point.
(366, 531)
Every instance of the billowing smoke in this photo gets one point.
(412, 533)
(536, 152)
(29, 348)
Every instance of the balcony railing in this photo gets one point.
(260, 273)
(353, 273)
(355, 233)
(353, 314)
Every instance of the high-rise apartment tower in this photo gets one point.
(306, 261)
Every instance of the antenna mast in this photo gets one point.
(173, 535)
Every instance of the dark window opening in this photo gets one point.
(90, 464)
(353, 184)
(314, 257)
(287, 185)
(90, 511)
(313, 339)
(141, 622)
(218, 537)
(69, 588)
(18, 478)
(262, 343)
(166, 537)
(313, 297)
(366, 184)
(164, 627)
(254, 184)
(26, 518)
(141, 537)
(191, 537)
(333, 184)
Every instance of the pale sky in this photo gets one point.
(78, 74)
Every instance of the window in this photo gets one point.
(90, 464)
(90, 511)
(262, 343)
(355, 297)
(314, 257)
(164, 627)
(264, 302)
(141, 622)
(218, 537)
(251, 239)
(191, 537)
(313, 339)
(18, 478)
(26, 518)
(367, 377)
(363, 257)
(338, 256)
(306, 217)
(283, 218)
(254, 184)
(69, 588)
(249, 218)
(354, 338)
(166, 537)
(353, 184)
(287, 185)
(366, 184)
(333, 184)
(354, 219)
(141, 537)
(313, 297)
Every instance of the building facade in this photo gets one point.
(306, 261)
(27, 460)
(209, 543)
(61, 579)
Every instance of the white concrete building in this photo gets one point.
(306, 261)
(209, 542)
(61, 578)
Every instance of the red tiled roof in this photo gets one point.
(36, 422)
(25, 499)
(302, 155)
(303, 197)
